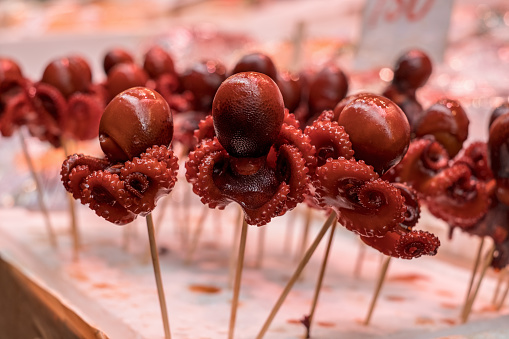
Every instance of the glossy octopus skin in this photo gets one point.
(158, 62)
(500, 110)
(68, 75)
(203, 80)
(256, 62)
(378, 129)
(328, 87)
(124, 76)
(498, 146)
(447, 121)
(15, 107)
(114, 57)
(268, 177)
(248, 112)
(135, 132)
(412, 70)
(132, 121)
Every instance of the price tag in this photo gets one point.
(391, 27)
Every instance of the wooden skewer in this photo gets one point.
(319, 283)
(504, 295)
(378, 288)
(39, 191)
(238, 278)
(197, 234)
(468, 306)
(72, 211)
(296, 274)
(157, 274)
(360, 260)
(235, 241)
(261, 247)
(500, 279)
(474, 272)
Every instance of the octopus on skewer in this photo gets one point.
(66, 102)
(355, 146)
(247, 153)
(15, 106)
(135, 133)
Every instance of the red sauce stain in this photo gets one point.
(395, 298)
(448, 321)
(449, 306)
(204, 289)
(410, 277)
(102, 285)
(325, 324)
(293, 321)
(445, 293)
(424, 321)
(488, 308)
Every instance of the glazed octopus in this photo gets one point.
(355, 146)
(66, 102)
(411, 72)
(248, 153)
(135, 132)
(453, 184)
(15, 105)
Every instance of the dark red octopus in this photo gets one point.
(66, 102)
(348, 169)
(249, 153)
(135, 132)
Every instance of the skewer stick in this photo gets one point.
(468, 306)
(197, 234)
(378, 288)
(474, 272)
(296, 274)
(72, 211)
(38, 189)
(504, 295)
(236, 235)
(261, 247)
(157, 273)
(360, 260)
(320, 279)
(238, 278)
(500, 279)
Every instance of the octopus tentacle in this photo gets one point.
(82, 120)
(72, 161)
(477, 154)
(423, 160)
(146, 180)
(294, 136)
(276, 206)
(12, 113)
(457, 198)
(291, 167)
(203, 183)
(380, 208)
(330, 141)
(327, 115)
(290, 119)
(338, 178)
(104, 192)
(196, 157)
(413, 209)
(205, 130)
(385, 245)
(163, 154)
(417, 243)
(76, 177)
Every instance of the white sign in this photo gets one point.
(391, 27)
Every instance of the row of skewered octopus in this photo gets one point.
(373, 160)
